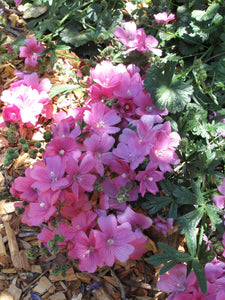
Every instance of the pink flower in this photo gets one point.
(106, 74)
(220, 200)
(17, 2)
(113, 241)
(49, 175)
(98, 147)
(71, 205)
(150, 45)
(22, 187)
(101, 119)
(130, 36)
(27, 101)
(139, 243)
(163, 152)
(41, 211)
(136, 220)
(85, 220)
(85, 250)
(148, 179)
(163, 225)
(31, 51)
(11, 113)
(63, 148)
(174, 281)
(132, 152)
(164, 18)
(78, 175)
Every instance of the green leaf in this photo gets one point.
(58, 89)
(192, 218)
(175, 254)
(166, 90)
(155, 203)
(184, 196)
(158, 259)
(190, 236)
(200, 275)
(168, 266)
(212, 213)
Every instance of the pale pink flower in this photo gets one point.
(31, 51)
(151, 44)
(101, 119)
(129, 86)
(106, 74)
(163, 17)
(130, 36)
(27, 100)
(32, 80)
(162, 154)
(113, 241)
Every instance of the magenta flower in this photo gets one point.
(139, 243)
(101, 119)
(163, 17)
(113, 241)
(71, 205)
(98, 147)
(175, 281)
(163, 225)
(31, 51)
(132, 152)
(41, 211)
(148, 179)
(85, 250)
(63, 148)
(78, 175)
(22, 187)
(136, 220)
(17, 2)
(11, 113)
(85, 220)
(49, 176)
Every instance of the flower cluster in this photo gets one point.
(26, 99)
(136, 39)
(113, 149)
(186, 287)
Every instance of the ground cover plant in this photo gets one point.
(144, 149)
